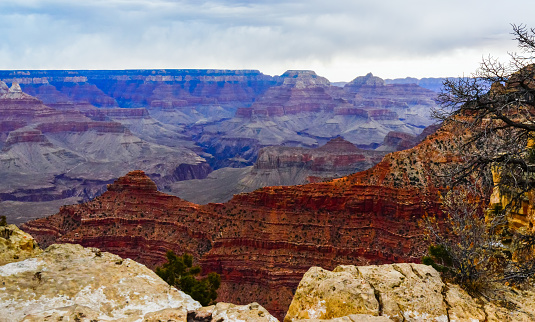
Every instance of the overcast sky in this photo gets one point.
(339, 39)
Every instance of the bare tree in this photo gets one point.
(495, 107)
(493, 113)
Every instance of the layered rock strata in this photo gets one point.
(49, 154)
(264, 241)
(233, 114)
(304, 110)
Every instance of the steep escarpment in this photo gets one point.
(264, 241)
(232, 114)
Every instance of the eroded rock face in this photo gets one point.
(397, 292)
(16, 245)
(49, 155)
(262, 242)
(72, 283)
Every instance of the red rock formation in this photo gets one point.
(263, 242)
(29, 135)
(400, 141)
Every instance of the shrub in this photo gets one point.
(179, 272)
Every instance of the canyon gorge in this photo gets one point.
(65, 135)
(263, 242)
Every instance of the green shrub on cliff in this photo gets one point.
(3, 221)
(180, 273)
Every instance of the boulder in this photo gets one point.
(16, 245)
(222, 312)
(400, 292)
(70, 283)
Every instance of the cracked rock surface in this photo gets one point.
(398, 292)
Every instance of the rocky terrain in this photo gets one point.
(264, 241)
(232, 114)
(71, 283)
(68, 282)
(16, 245)
(63, 156)
(305, 110)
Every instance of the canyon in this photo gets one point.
(52, 156)
(65, 135)
(263, 242)
(279, 166)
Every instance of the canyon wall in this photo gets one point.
(264, 241)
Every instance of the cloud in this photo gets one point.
(268, 35)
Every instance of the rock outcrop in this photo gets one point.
(16, 245)
(224, 312)
(398, 292)
(71, 283)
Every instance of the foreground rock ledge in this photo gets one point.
(16, 245)
(69, 282)
(397, 292)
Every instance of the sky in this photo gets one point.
(339, 39)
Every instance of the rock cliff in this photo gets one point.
(232, 114)
(264, 241)
(305, 111)
(70, 154)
